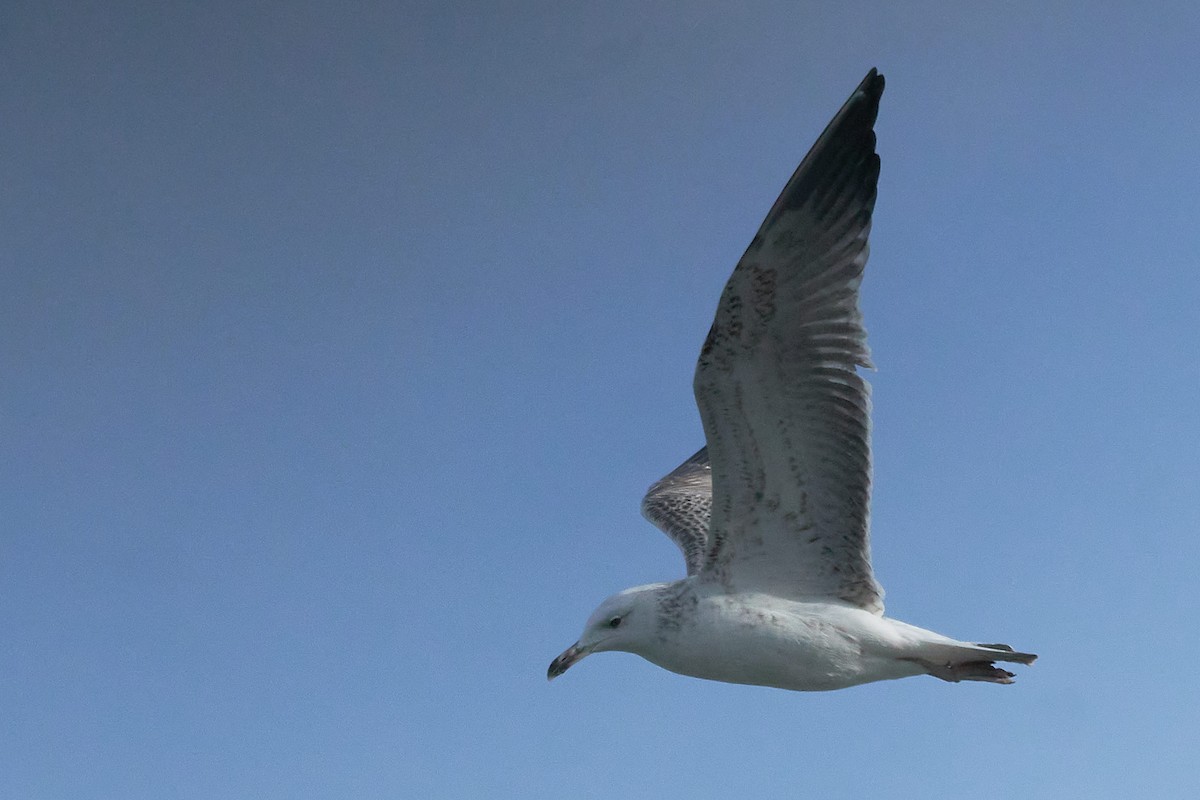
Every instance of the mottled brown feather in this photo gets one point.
(785, 413)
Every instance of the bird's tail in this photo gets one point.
(963, 661)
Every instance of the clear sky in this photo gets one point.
(339, 341)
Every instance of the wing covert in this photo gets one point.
(680, 504)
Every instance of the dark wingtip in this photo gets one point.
(871, 88)
(873, 83)
(849, 136)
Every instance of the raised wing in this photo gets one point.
(786, 415)
(680, 505)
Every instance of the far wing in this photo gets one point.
(680, 505)
(785, 413)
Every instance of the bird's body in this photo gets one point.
(772, 515)
(698, 628)
(765, 640)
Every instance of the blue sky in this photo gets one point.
(340, 341)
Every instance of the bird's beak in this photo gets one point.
(568, 657)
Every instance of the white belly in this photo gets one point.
(769, 641)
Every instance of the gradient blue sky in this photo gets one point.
(338, 343)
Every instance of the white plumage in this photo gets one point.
(772, 515)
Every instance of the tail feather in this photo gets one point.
(984, 671)
(970, 662)
(1006, 653)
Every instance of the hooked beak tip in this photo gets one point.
(564, 661)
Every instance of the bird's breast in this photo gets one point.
(759, 640)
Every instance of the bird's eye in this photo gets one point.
(615, 622)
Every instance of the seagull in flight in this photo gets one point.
(772, 515)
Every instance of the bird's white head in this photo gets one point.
(626, 621)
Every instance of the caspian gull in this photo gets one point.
(772, 516)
